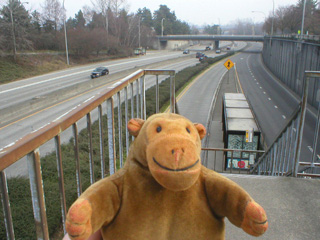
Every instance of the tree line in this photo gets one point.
(107, 26)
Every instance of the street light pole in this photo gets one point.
(303, 14)
(162, 26)
(65, 33)
(139, 31)
(12, 30)
(272, 22)
(13, 36)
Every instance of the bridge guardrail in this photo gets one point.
(282, 158)
(29, 145)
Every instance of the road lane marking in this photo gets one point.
(284, 117)
(269, 99)
(275, 106)
(68, 75)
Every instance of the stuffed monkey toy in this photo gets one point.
(163, 192)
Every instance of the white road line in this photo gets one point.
(275, 106)
(68, 75)
(264, 93)
(284, 117)
(269, 99)
(310, 148)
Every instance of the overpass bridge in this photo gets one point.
(216, 38)
(292, 204)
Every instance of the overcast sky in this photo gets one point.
(198, 12)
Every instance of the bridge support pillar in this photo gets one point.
(216, 44)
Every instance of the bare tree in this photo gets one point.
(52, 13)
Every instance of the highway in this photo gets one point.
(271, 101)
(17, 129)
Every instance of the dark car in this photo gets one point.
(203, 57)
(207, 48)
(199, 54)
(186, 51)
(99, 72)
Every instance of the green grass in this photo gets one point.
(19, 188)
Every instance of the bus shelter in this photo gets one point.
(240, 131)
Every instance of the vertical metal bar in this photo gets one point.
(137, 98)
(61, 182)
(126, 119)
(315, 139)
(143, 98)
(90, 148)
(111, 136)
(274, 159)
(301, 125)
(6, 206)
(215, 160)
(157, 94)
(278, 159)
(101, 138)
(132, 108)
(231, 163)
(271, 161)
(120, 128)
(37, 194)
(172, 94)
(76, 153)
(286, 151)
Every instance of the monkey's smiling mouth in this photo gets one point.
(175, 170)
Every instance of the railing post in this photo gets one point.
(6, 206)
(76, 153)
(61, 182)
(157, 94)
(101, 140)
(38, 202)
(143, 98)
(172, 94)
(111, 136)
(90, 148)
(301, 125)
(126, 119)
(120, 128)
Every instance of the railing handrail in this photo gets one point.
(35, 139)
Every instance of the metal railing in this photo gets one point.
(131, 90)
(218, 159)
(282, 158)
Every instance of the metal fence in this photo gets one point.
(131, 90)
(282, 158)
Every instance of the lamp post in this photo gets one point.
(303, 14)
(139, 31)
(272, 22)
(65, 33)
(265, 17)
(162, 26)
(12, 30)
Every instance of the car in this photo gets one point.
(99, 71)
(207, 48)
(199, 54)
(218, 51)
(186, 52)
(228, 48)
(203, 57)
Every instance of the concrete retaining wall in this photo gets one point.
(288, 60)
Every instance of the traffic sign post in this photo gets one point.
(228, 64)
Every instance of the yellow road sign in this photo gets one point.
(228, 64)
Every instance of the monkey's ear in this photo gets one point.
(201, 130)
(134, 126)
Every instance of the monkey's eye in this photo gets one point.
(159, 129)
(188, 130)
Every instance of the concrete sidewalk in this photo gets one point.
(292, 204)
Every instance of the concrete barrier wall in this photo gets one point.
(288, 60)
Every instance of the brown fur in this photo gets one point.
(163, 192)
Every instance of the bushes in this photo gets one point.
(19, 189)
